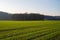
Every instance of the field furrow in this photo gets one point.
(29, 30)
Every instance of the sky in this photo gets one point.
(46, 7)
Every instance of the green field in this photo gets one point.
(29, 30)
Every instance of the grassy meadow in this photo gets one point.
(29, 30)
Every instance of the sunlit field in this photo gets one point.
(29, 30)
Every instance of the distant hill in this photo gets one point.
(57, 17)
(4, 16)
(52, 17)
(49, 17)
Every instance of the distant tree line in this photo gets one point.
(26, 16)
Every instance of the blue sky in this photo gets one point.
(47, 7)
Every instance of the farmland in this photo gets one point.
(29, 30)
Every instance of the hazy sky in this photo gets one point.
(47, 7)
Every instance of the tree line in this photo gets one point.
(26, 16)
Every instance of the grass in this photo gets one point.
(29, 30)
